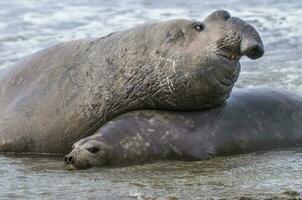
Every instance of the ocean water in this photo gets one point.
(27, 26)
(262, 175)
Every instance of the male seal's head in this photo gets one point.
(197, 63)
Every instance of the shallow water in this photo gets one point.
(27, 26)
(257, 175)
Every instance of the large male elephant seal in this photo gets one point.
(66, 92)
(250, 120)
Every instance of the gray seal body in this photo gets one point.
(250, 120)
(66, 92)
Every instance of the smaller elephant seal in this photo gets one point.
(251, 120)
(64, 93)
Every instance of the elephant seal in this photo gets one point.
(250, 120)
(66, 92)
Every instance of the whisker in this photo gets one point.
(100, 155)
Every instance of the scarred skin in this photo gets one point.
(66, 92)
(250, 120)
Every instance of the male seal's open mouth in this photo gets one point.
(230, 54)
(242, 40)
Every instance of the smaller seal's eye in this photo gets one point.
(93, 149)
(198, 26)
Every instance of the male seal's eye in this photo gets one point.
(93, 149)
(198, 26)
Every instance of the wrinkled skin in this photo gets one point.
(250, 120)
(64, 93)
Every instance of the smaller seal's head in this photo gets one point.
(86, 153)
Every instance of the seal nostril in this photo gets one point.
(251, 43)
(255, 52)
(68, 159)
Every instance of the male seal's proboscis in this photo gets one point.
(66, 92)
(250, 120)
